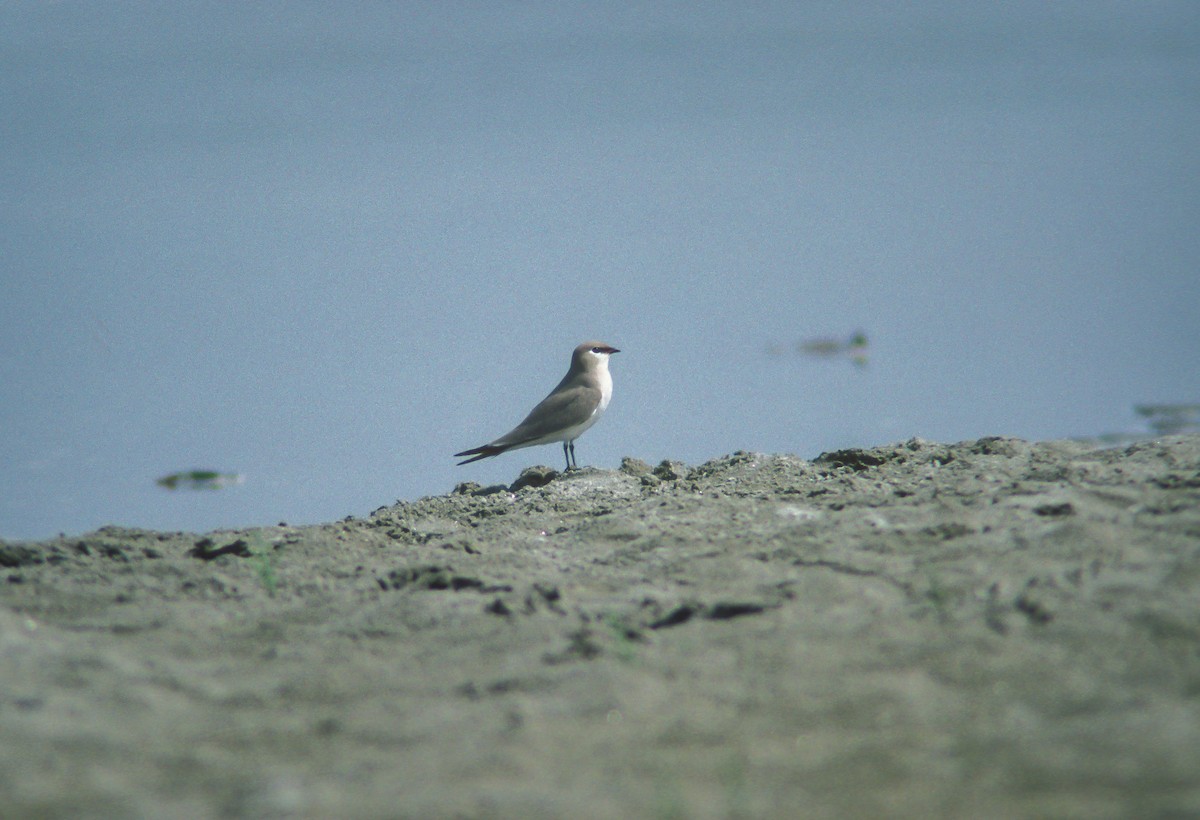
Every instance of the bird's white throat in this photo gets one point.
(605, 379)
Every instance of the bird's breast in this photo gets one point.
(605, 390)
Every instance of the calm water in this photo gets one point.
(324, 249)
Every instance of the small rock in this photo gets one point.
(669, 470)
(498, 607)
(15, 556)
(634, 466)
(856, 459)
(538, 476)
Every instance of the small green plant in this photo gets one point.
(939, 595)
(262, 556)
(624, 636)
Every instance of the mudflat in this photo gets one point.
(993, 628)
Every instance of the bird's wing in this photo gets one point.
(558, 411)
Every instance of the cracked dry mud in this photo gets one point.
(987, 629)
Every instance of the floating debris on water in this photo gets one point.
(1170, 419)
(200, 480)
(1162, 419)
(830, 347)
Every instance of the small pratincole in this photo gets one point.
(572, 407)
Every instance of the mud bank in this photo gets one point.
(990, 628)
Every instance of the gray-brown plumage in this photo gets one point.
(571, 408)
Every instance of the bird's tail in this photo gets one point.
(486, 451)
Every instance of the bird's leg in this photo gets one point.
(574, 463)
(567, 456)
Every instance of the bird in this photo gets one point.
(571, 408)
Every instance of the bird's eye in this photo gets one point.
(595, 350)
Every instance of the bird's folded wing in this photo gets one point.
(558, 411)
